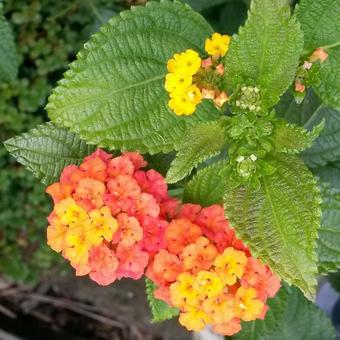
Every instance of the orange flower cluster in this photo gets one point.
(109, 216)
(209, 274)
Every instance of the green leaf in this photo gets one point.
(159, 309)
(290, 317)
(9, 62)
(207, 186)
(200, 5)
(326, 148)
(301, 114)
(291, 138)
(46, 150)
(279, 221)
(329, 232)
(321, 27)
(330, 173)
(114, 96)
(266, 50)
(201, 142)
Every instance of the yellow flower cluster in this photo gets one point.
(184, 95)
(74, 231)
(214, 297)
(183, 87)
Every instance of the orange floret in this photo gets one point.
(104, 264)
(130, 231)
(199, 255)
(261, 278)
(89, 193)
(180, 233)
(229, 328)
(95, 168)
(167, 266)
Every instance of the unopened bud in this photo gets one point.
(221, 99)
(208, 93)
(307, 65)
(319, 54)
(299, 87)
(206, 63)
(220, 69)
(246, 166)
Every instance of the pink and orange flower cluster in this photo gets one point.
(209, 274)
(111, 219)
(109, 216)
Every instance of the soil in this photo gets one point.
(77, 308)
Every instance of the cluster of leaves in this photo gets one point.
(38, 40)
(112, 96)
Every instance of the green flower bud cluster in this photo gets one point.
(249, 98)
(249, 135)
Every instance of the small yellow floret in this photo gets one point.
(102, 225)
(182, 292)
(247, 306)
(220, 308)
(186, 63)
(194, 319)
(79, 240)
(177, 82)
(185, 103)
(217, 45)
(207, 284)
(69, 212)
(230, 265)
(56, 235)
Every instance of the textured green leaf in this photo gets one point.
(309, 114)
(326, 148)
(207, 186)
(279, 222)
(113, 95)
(9, 62)
(300, 114)
(290, 317)
(329, 232)
(46, 150)
(201, 142)
(266, 49)
(159, 309)
(291, 138)
(321, 26)
(330, 173)
(200, 5)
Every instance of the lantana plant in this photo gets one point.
(244, 119)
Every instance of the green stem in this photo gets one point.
(312, 118)
(95, 11)
(327, 47)
(64, 11)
